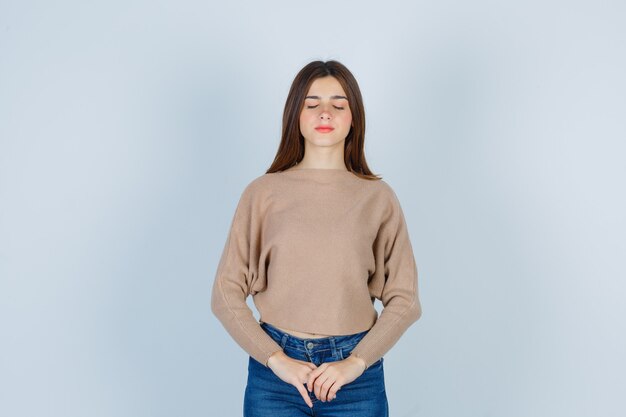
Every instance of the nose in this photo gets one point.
(325, 114)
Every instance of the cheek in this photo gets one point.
(305, 124)
(305, 118)
(347, 119)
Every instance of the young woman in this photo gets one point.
(315, 240)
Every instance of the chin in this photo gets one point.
(326, 142)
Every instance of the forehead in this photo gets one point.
(326, 87)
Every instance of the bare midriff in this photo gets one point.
(302, 335)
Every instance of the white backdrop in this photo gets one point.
(128, 130)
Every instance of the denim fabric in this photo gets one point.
(267, 395)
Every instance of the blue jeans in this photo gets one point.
(267, 395)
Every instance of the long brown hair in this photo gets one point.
(291, 148)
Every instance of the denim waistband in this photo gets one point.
(308, 344)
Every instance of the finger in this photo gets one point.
(332, 391)
(305, 395)
(325, 390)
(310, 383)
(313, 376)
(311, 380)
(319, 384)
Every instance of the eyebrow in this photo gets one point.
(332, 97)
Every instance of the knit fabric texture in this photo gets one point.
(315, 247)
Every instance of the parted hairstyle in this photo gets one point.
(291, 147)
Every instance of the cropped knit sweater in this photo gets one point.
(314, 247)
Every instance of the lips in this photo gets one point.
(324, 129)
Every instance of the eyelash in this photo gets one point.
(312, 107)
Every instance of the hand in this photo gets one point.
(292, 371)
(329, 377)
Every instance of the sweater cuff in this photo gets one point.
(368, 358)
(267, 356)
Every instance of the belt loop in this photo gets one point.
(283, 342)
(333, 346)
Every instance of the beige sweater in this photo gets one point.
(314, 247)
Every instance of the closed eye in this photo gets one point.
(312, 107)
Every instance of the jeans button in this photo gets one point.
(310, 345)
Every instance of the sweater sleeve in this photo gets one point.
(231, 287)
(394, 282)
